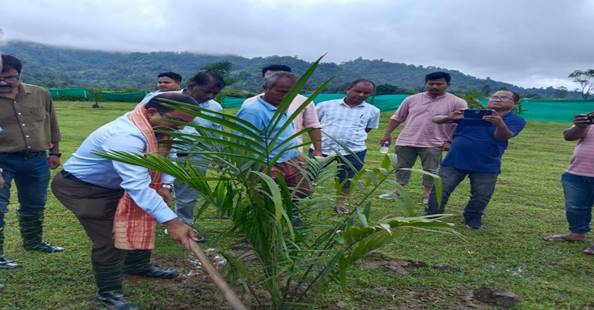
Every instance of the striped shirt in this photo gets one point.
(346, 124)
(582, 162)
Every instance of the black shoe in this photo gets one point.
(153, 271)
(474, 223)
(32, 232)
(45, 247)
(7, 263)
(115, 300)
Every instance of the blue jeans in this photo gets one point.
(346, 172)
(482, 186)
(579, 198)
(31, 174)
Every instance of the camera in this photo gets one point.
(476, 114)
(588, 117)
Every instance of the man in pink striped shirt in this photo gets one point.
(308, 118)
(578, 182)
(421, 137)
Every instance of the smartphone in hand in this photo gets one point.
(474, 117)
(476, 113)
(588, 118)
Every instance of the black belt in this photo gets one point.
(70, 176)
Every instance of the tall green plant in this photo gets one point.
(290, 263)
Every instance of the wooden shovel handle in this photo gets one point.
(216, 277)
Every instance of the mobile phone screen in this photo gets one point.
(474, 117)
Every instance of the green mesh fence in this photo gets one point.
(533, 110)
(384, 102)
(123, 96)
(87, 94)
(70, 93)
(555, 110)
(232, 102)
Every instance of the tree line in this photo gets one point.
(68, 67)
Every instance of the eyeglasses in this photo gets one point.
(501, 98)
(10, 79)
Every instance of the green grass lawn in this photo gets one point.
(508, 253)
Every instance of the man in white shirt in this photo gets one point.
(348, 120)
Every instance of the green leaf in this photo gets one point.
(274, 193)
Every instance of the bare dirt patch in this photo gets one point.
(378, 260)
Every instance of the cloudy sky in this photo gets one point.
(525, 42)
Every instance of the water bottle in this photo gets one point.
(385, 147)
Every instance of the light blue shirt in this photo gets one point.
(259, 113)
(118, 135)
(211, 105)
(346, 124)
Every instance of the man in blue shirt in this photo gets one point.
(259, 113)
(91, 187)
(476, 151)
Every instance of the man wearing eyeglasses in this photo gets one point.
(29, 129)
(477, 147)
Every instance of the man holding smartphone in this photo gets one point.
(578, 181)
(476, 151)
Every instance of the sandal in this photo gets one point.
(200, 238)
(561, 238)
(589, 250)
(342, 210)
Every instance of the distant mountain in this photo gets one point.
(52, 66)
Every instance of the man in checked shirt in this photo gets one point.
(347, 121)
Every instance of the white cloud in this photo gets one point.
(529, 42)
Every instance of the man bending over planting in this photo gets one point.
(117, 203)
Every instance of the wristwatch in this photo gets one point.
(167, 186)
(55, 154)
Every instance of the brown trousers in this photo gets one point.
(95, 208)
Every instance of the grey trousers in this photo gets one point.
(407, 156)
(186, 196)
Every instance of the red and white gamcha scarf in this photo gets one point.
(134, 228)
